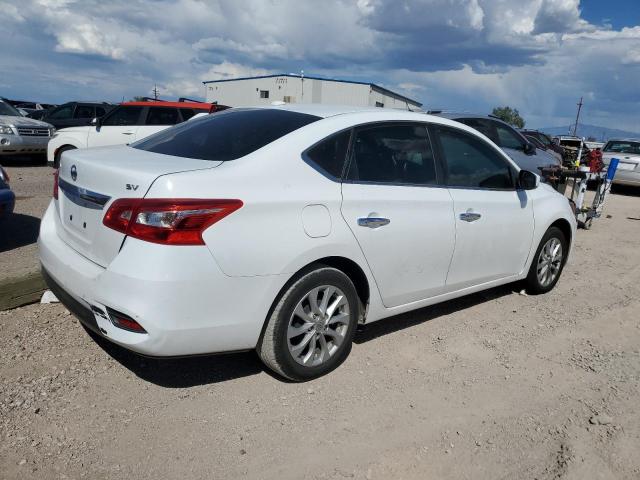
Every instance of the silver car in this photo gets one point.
(627, 151)
(21, 135)
(514, 144)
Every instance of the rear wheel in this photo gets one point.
(61, 150)
(310, 330)
(548, 262)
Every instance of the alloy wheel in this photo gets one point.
(549, 262)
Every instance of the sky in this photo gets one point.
(539, 56)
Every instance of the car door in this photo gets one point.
(399, 214)
(157, 119)
(493, 219)
(118, 127)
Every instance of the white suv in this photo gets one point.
(125, 124)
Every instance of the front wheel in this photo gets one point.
(548, 262)
(310, 330)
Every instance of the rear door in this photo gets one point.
(157, 119)
(400, 216)
(118, 127)
(493, 220)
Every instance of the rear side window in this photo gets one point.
(162, 116)
(472, 162)
(62, 113)
(123, 116)
(397, 154)
(227, 135)
(331, 153)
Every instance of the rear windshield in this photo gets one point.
(227, 135)
(623, 147)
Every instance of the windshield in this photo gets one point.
(6, 109)
(227, 135)
(623, 147)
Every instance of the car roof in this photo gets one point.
(326, 111)
(195, 105)
(624, 140)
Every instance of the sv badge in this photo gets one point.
(132, 187)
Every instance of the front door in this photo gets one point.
(401, 218)
(494, 220)
(118, 127)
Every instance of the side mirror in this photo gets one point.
(528, 180)
(96, 122)
(529, 149)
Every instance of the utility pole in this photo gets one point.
(575, 127)
(155, 91)
(302, 82)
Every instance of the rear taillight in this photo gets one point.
(167, 221)
(55, 183)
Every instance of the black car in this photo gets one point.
(75, 114)
(545, 140)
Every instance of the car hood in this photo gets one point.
(22, 122)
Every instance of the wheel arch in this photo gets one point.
(565, 228)
(59, 150)
(347, 266)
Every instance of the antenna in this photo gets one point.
(575, 127)
(302, 83)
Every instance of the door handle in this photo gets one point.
(127, 133)
(373, 222)
(470, 216)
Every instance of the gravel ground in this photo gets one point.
(32, 182)
(496, 385)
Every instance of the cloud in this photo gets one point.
(537, 55)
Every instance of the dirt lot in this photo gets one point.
(32, 182)
(497, 385)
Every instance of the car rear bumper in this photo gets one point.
(177, 294)
(22, 145)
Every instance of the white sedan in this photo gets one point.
(280, 229)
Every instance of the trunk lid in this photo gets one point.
(91, 179)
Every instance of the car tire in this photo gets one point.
(305, 339)
(61, 150)
(548, 262)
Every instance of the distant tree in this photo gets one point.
(509, 115)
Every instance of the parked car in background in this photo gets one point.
(7, 197)
(628, 152)
(524, 153)
(76, 114)
(538, 144)
(21, 135)
(546, 140)
(281, 229)
(126, 123)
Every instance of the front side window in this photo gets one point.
(330, 153)
(472, 162)
(123, 116)
(617, 146)
(397, 154)
(187, 113)
(507, 138)
(162, 116)
(62, 113)
(83, 111)
(228, 135)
